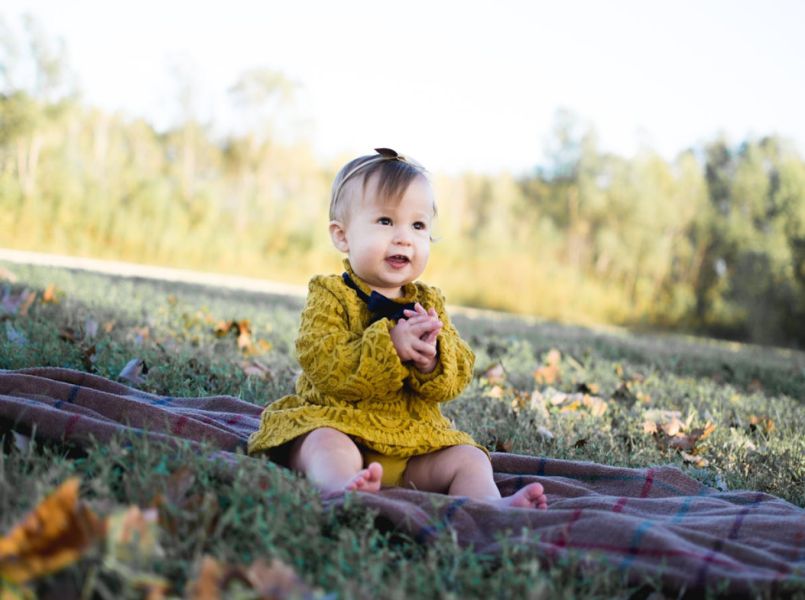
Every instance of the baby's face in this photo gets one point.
(388, 243)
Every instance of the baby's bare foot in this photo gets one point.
(366, 480)
(530, 496)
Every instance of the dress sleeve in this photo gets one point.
(340, 362)
(453, 370)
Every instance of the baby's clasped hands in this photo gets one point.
(414, 337)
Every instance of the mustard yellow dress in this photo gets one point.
(353, 379)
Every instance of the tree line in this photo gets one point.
(711, 242)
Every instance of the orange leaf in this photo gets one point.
(58, 531)
(51, 294)
(549, 373)
(207, 586)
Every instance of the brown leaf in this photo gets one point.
(55, 534)
(223, 327)
(89, 357)
(503, 445)
(588, 388)
(68, 334)
(207, 586)
(270, 581)
(580, 443)
(134, 371)
(764, 424)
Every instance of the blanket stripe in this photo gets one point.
(654, 524)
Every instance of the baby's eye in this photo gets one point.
(420, 226)
(384, 221)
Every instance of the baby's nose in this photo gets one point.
(402, 235)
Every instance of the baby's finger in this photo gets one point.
(424, 349)
(431, 337)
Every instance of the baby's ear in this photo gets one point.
(338, 234)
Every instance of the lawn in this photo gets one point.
(729, 415)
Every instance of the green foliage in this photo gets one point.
(711, 242)
(267, 512)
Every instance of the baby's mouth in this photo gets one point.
(398, 260)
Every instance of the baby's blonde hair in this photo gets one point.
(395, 173)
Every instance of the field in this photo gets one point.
(730, 415)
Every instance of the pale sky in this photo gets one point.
(456, 84)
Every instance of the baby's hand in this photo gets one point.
(415, 338)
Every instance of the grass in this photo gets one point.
(752, 395)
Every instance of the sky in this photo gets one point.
(469, 85)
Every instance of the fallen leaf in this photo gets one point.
(207, 585)
(694, 460)
(668, 421)
(68, 334)
(269, 581)
(255, 368)
(580, 443)
(495, 392)
(134, 371)
(549, 373)
(244, 335)
(764, 424)
(27, 302)
(624, 395)
(276, 581)
(504, 445)
(588, 388)
(537, 403)
(140, 334)
(89, 357)
(51, 295)
(7, 275)
(132, 535)
(495, 374)
(55, 534)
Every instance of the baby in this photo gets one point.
(379, 354)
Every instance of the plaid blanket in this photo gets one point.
(653, 524)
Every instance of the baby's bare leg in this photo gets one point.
(466, 471)
(333, 463)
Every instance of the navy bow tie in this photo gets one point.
(378, 304)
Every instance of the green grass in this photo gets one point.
(739, 389)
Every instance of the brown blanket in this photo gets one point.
(654, 523)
